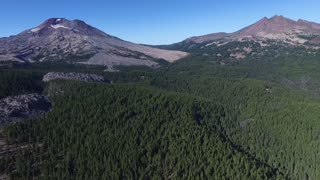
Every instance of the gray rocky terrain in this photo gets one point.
(17, 108)
(73, 76)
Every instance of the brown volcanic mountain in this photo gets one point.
(276, 24)
(61, 39)
(277, 27)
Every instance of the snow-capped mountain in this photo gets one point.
(62, 39)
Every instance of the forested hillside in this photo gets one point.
(276, 124)
(101, 131)
(202, 118)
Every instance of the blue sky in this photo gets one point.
(153, 21)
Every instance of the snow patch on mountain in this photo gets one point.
(210, 44)
(59, 26)
(35, 30)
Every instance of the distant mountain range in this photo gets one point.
(59, 39)
(62, 39)
(267, 37)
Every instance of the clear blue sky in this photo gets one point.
(153, 21)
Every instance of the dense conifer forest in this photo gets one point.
(198, 118)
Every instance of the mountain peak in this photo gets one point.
(281, 19)
(263, 20)
(53, 25)
(265, 27)
(277, 17)
(274, 25)
(52, 21)
(55, 20)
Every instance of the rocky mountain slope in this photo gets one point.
(265, 36)
(62, 39)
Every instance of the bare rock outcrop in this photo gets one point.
(73, 76)
(17, 108)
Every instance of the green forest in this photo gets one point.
(197, 118)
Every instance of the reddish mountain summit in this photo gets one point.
(265, 28)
